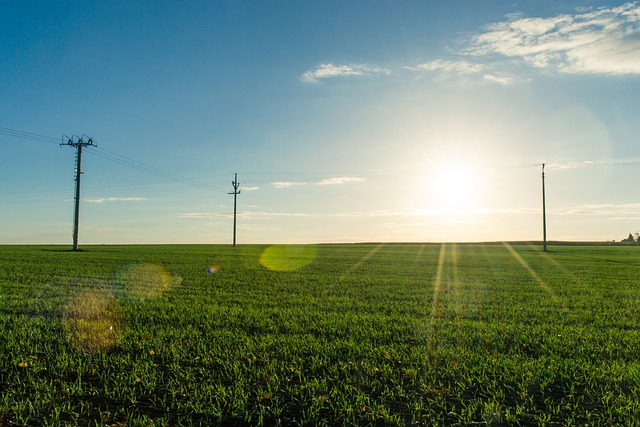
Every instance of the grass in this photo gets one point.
(380, 334)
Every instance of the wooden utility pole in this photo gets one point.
(235, 193)
(544, 213)
(78, 143)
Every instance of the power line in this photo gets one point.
(142, 167)
(28, 135)
(107, 155)
(96, 191)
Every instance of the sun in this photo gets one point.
(453, 186)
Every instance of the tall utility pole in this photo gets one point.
(235, 193)
(544, 213)
(78, 143)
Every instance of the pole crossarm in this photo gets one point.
(77, 141)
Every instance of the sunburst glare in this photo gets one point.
(453, 186)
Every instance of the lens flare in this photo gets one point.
(287, 257)
(147, 280)
(94, 321)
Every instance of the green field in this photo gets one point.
(380, 334)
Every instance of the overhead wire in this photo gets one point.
(28, 135)
(110, 156)
(252, 178)
(134, 164)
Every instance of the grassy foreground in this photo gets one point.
(390, 334)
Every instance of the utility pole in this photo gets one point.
(78, 143)
(544, 213)
(235, 193)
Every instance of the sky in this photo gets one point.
(358, 121)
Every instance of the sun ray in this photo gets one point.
(357, 265)
(545, 287)
(419, 253)
(572, 277)
(437, 289)
(457, 299)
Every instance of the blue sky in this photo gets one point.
(345, 121)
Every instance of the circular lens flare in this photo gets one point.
(147, 280)
(94, 321)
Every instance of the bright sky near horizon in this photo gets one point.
(345, 121)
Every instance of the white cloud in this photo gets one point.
(325, 71)
(617, 211)
(204, 215)
(630, 161)
(243, 215)
(113, 199)
(459, 66)
(501, 78)
(444, 212)
(465, 67)
(258, 214)
(605, 40)
(623, 211)
(288, 184)
(339, 180)
(250, 188)
(571, 165)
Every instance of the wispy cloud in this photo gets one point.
(113, 199)
(444, 212)
(571, 165)
(615, 211)
(204, 215)
(501, 78)
(459, 66)
(605, 40)
(243, 215)
(288, 184)
(609, 211)
(250, 188)
(327, 71)
(612, 211)
(464, 67)
(631, 161)
(340, 180)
